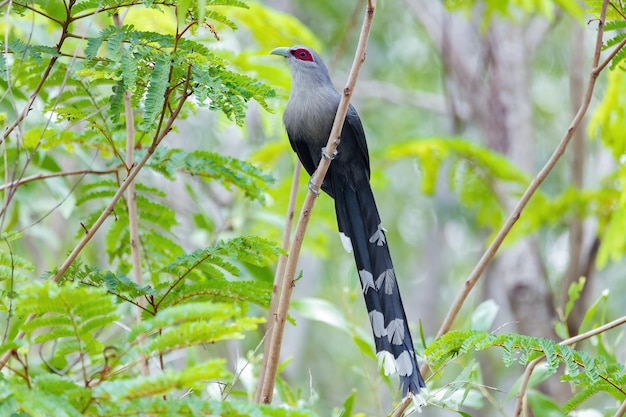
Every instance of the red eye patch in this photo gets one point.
(302, 54)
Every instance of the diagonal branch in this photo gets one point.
(42, 176)
(280, 272)
(316, 180)
(534, 185)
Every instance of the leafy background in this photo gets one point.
(462, 103)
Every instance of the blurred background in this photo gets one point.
(462, 103)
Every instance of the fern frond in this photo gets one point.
(121, 390)
(221, 290)
(199, 333)
(226, 170)
(67, 311)
(191, 406)
(191, 324)
(155, 93)
(13, 266)
(117, 284)
(597, 375)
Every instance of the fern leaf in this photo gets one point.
(68, 311)
(583, 395)
(116, 101)
(121, 390)
(192, 334)
(155, 93)
(192, 324)
(589, 366)
(221, 290)
(567, 353)
(548, 347)
(212, 166)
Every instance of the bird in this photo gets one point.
(308, 120)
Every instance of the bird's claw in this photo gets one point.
(325, 154)
(313, 187)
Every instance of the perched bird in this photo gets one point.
(308, 120)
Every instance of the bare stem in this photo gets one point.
(131, 196)
(38, 177)
(280, 272)
(318, 176)
(534, 185)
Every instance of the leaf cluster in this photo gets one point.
(590, 375)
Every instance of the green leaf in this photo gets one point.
(155, 93)
(484, 315)
(227, 171)
(543, 406)
(574, 291)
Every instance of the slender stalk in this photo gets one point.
(131, 196)
(288, 282)
(38, 177)
(280, 272)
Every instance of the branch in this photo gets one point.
(38, 177)
(280, 272)
(567, 342)
(532, 188)
(288, 282)
(131, 197)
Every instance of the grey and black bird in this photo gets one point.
(308, 119)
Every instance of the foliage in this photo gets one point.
(510, 7)
(92, 96)
(72, 346)
(479, 176)
(590, 375)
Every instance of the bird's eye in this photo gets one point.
(302, 54)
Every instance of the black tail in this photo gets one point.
(358, 220)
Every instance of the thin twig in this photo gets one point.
(42, 176)
(534, 185)
(317, 178)
(131, 197)
(567, 342)
(280, 272)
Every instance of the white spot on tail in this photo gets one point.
(418, 402)
(367, 280)
(387, 362)
(346, 242)
(378, 323)
(395, 331)
(389, 279)
(404, 364)
(379, 236)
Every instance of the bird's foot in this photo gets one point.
(325, 154)
(313, 187)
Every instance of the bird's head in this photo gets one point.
(306, 65)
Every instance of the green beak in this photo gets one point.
(282, 51)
